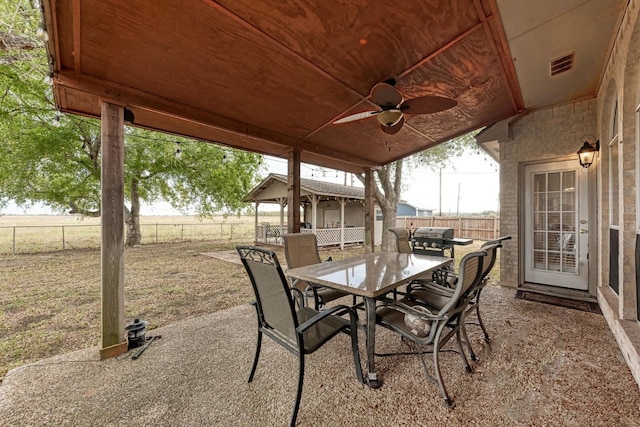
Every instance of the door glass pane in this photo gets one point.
(568, 181)
(569, 221)
(553, 201)
(554, 181)
(539, 241)
(540, 202)
(539, 183)
(568, 201)
(540, 221)
(554, 235)
(539, 260)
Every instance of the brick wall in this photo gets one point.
(549, 134)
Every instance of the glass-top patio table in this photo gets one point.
(370, 276)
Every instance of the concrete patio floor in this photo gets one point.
(547, 365)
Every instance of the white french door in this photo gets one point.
(556, 225)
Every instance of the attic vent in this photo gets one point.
(562, 64)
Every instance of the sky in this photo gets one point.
(472, 186)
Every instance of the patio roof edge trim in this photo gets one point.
(135, 98)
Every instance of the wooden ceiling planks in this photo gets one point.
(361, 43)
(269, 77)
(229, 70)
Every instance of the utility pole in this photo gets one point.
(440, 193)
(458, 205)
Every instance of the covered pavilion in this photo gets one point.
(274, 77)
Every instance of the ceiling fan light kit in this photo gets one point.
(393, 107)
(389, 117)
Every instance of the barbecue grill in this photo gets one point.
(436, 241)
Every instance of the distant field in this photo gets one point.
(20, 234)
(38, 220)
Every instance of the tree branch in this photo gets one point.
(14, 42)
(84, 212)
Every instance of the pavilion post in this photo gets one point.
(113, 340)
(255, 229)
(293, 192)
(314, 212)
(369, 214)
(342, 202)
(282, 202)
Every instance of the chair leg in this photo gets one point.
(484, 330)
(256, 357)
(462, 324)
(296, 406)
(436, 366)
(465, 338)
(459, 336)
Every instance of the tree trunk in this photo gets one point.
(387, 190)
(132, 217)
(389, 214)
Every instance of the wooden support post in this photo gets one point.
(112, 230)
(293, 192)
(369, 214)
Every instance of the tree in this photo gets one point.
(388, 180)
(54, 158)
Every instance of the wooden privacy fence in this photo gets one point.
(472, 227)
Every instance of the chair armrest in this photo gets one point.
(324, 313)
(431, 287)
(407, 309)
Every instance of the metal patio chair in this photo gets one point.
(438, 326)
(299, 329)
(300, 250)
(403, 245)
(436, 295)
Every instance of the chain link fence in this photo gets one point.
(23, 239)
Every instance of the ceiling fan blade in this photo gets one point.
(385, 95)
(427, 105)
(356, 116)
(392, 130)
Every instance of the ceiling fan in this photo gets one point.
(393, 107)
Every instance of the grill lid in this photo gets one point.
(433, 233)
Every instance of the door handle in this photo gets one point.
(583, 231)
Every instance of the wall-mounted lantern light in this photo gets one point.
(587, 153)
